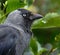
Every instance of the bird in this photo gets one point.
(15, 32)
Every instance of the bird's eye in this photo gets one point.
(24, 15)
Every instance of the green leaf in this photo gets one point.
(46, 35)
(47, 28)
(29, 2)
(50, 20)
(34, 46)
(14, 4)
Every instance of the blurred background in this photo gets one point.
(40, 6)
(46, 31)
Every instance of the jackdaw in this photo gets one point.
(15, 33)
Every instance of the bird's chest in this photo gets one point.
(22, 42)
(24, 38)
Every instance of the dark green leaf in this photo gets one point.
(34, 46)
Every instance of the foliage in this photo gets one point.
(46, 40)
(9, 5)
(47, 31)
(36, 47)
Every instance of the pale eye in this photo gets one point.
(24, 15)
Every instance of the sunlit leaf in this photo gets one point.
(14, 4)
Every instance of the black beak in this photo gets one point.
(37, 16)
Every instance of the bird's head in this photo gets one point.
(22, 17)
